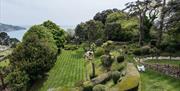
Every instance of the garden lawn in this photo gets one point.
(153, 81)
(67, 71)
(170, 62)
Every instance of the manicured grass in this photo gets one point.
(171, 62)
(153, 81)
(68, 70)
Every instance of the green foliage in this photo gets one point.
(36, 54)
(87, 86)
(99, 87)
(120, 59)
(119, 27)
(106, 60)
(70, 47)
(108, 46)
(112, 30)
(99, 51)
(81, 31)
(130, 80)
(94, 30)
(58, 33)
(18, 80)
(145, 50)
(89, 31)
(102, 16)
(115, 76)
(137, 52)
(99, 42)
(113, 17)
(85, 46)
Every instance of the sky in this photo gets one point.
(62, 12)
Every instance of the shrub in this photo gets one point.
(120, 59)
(116, 76)
(87, 86)
(137, 52)
(145, 50)
(17, 80)
(106, 60)
(85, 46)
(99, 87)
(108, 46)
(118, 67)
(99, 42)
(99, 51)
(70, 47)
(142, 51)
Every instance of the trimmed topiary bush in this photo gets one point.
(99, 51)
(120, 59)
(106, 60)
(115, 76)
(99, 87)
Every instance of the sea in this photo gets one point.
(20, 33)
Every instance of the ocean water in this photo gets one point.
(17, 34)
(20, 33)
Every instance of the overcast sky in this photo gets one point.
(62, 12)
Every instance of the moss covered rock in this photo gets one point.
(131, 79)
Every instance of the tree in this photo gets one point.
(18, 80)
(161, 22)
(101, 16)
(34, 56)
(172, 23)
(146, 11)
(2, 77)
(81, 31)
(58, 33)
(113, 30)
(94, 31)
(120, 28)
(4, 39)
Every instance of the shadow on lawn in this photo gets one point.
(38, 84)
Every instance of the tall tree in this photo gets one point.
(144, 10)
(58, 33)
(101, 16)
(94, 30)
(32, 58)
(161, 23)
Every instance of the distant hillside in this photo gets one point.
(6, 27)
